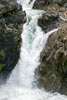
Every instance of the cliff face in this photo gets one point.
(53, 68)
(52, 71)
(12, 19)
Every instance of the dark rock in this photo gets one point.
(48, 21)
(40, 4)
(12, 19)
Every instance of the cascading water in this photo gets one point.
(20, 85)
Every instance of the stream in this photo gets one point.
(21, 85)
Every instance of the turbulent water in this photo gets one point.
(21, 84)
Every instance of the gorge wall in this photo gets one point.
(12, 19)
(52, 71)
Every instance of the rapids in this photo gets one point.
(21, 83)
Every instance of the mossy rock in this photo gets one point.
(1, 52)
(2, 66)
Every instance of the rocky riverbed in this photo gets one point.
(52, 71)
(12, 19)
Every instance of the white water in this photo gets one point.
(20, 85)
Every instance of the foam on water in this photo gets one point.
(20, 85)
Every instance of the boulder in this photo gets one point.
(48, 21)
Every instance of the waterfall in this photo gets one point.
(21, 83)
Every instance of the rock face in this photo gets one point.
(56, 12)
(40, 4)
(52, 71)
(53, 67)
(11, 20)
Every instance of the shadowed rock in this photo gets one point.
(12, 19)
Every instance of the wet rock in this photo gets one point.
(51, 19)
(52, 70)
(48, 21)
(12, 19)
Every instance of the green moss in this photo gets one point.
(64, 61)
(6, 31)
(16, 41)
(2, 66)
(9, 14)
(1, 52)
